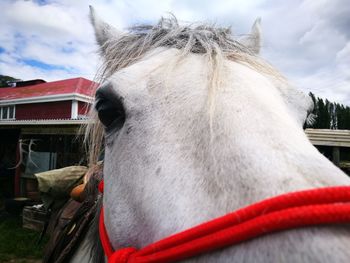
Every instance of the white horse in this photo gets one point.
(196, 125)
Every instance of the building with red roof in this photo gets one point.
(39, 126)
(59, 101)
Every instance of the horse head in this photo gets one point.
(195, 125)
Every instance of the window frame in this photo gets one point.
(8, 108)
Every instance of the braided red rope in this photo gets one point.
(293, 210)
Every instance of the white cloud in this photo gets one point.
(305, 44)
(51, 34)
(343, 56)
(307, 40)
(331, 82)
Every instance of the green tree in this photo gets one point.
(329, 115)
(5, 81)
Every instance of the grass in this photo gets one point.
(18, 244)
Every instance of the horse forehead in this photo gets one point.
(161, 73)
(150, 62)
(158, 69)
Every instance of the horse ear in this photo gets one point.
(104, 32)
(253, 40)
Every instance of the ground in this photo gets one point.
(18, 245)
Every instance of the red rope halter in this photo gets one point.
(292, 210)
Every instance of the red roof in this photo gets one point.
(76, 85)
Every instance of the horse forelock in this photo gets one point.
(130, 47)
(215, 43)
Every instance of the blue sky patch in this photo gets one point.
(42, 2)
(42, 65)
(68, 49)
(2, 50)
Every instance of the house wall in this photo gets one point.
(48, 110)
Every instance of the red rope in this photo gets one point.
(329, 205)
(107, 247)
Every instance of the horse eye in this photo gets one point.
(110, 111)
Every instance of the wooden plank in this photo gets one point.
(33, 218)
(329, 143)
(328, 131)
(29, 212)
(324, 137)
(32, 224)
(330, 138)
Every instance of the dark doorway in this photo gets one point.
(8, 148)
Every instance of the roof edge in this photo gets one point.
(48, 98)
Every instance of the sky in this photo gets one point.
(307, 40)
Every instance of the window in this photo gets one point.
(12, 112)
(7, 112)
(4, 112)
